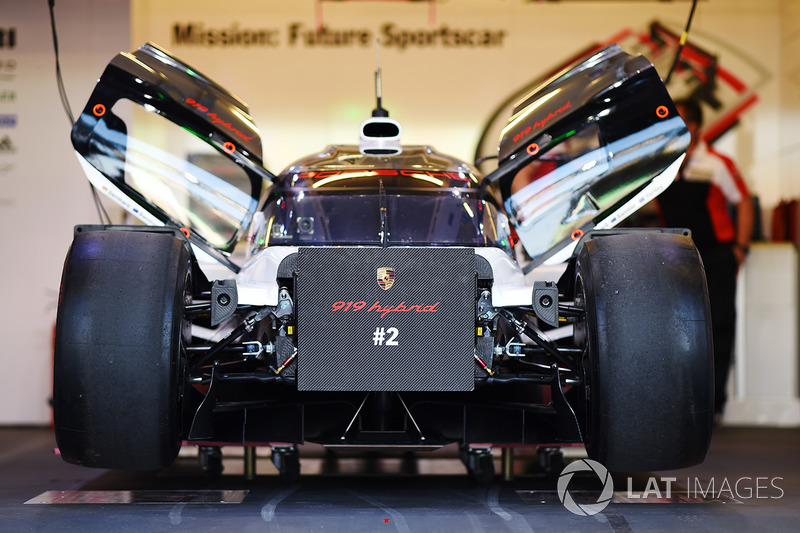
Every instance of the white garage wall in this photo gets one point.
(42, 191)
(304, 97)
(788, 153)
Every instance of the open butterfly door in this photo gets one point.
(585, 149)
(173, 148)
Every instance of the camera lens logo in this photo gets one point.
(585, 509)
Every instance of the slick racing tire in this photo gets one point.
(648, 362)
(119, 366)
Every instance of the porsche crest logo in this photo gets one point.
(385, 277)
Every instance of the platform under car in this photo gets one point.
(380, 301)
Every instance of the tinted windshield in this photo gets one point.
(341, 197)
(411, 218)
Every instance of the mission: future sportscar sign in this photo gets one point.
(299, 34)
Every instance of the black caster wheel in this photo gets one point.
(551, 461)
(479, 463)
(287, 461)
(211, 461)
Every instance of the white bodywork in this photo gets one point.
(257, 280)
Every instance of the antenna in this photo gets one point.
(380, 135)
(379, 111)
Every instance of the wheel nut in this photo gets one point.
(545, 301)
(223, 299)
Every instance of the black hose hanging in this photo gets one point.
(682, 43)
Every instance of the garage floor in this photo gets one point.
(749, 482)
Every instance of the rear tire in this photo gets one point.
(648, 363)
(119, 367)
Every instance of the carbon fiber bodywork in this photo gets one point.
(356, 334)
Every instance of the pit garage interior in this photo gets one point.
(306, 70)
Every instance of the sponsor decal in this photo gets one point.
(7, 69)
(385, 277)
(542, 122)
(300, 34)
(6, 145)
(8, 96)
(215, 119)
(383, 310)
(8, 121)
(8, 38)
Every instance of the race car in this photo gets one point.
(380, 295)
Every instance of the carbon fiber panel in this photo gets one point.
(414, 330)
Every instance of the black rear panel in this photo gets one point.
(412, 330)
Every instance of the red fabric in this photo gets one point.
(724, 228)
(734, 171)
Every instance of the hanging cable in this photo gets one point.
(62, 94)
(684, 38)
